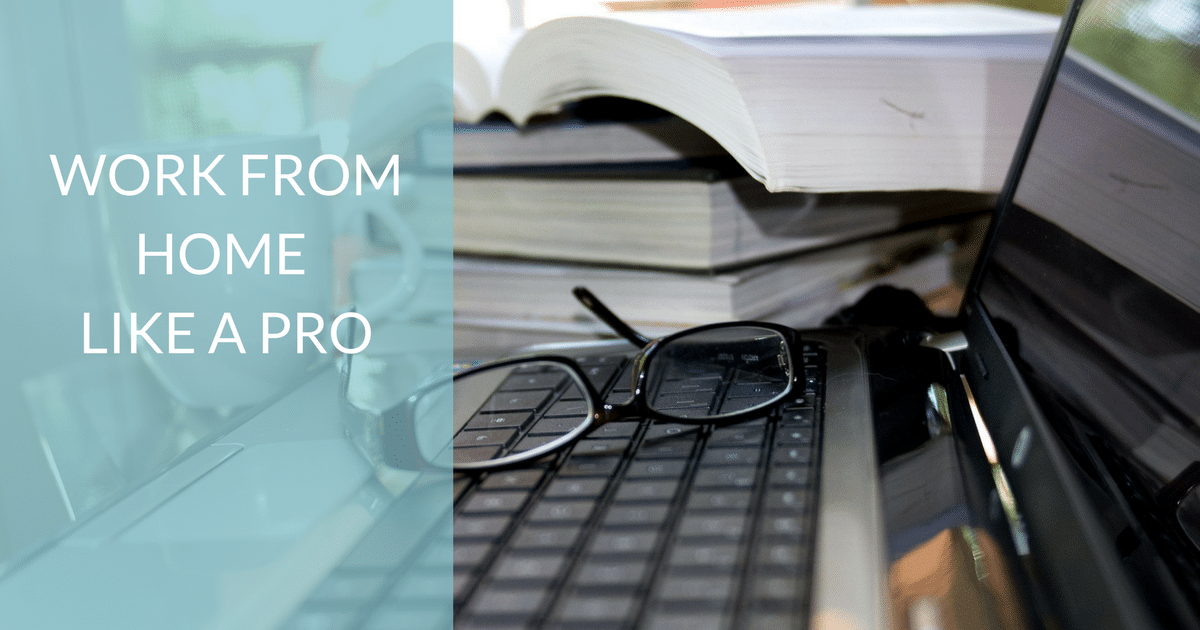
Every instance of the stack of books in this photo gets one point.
(690, 167)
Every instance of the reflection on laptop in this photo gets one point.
(1038, 469)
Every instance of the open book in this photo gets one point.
(805, 97)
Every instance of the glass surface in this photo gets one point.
(1093, 282)
(750, 366)
(1101, 262)
(1153, 43)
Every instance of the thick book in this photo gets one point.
(686, 217)
(534, 294)
(805, 97)
(930, 276)
(592, 131)
(570, 140)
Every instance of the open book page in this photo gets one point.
(478, 64)
(898, 81)
(834, 20)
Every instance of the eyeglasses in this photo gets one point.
(714, 374)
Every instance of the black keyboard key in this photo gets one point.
(788, 555)
(655, 468)
(592, 448)
(662, 490)
(470, 555)
(614, 430)
(782, 525)
(789, 436)
(568, 408)
(738, 456)
(495, 501)
(669, 448)
(624, 542)
(572, 393)
(599, 375)
(769, 620)
(540, 380)
(619, 396)
(792, 455)
(685, 620)
(779, 500)
(508, 600)
(590, 466)
(475, 453)
(547, 537)
(784, 589)
(660, 430)
(556, 426)
(790, 476)
(576, 488)
(493, 437)
(685, 400)
(606, 609)
(707, 384)
(486, 421)
(520, 479)
(621, 515)
(563, 512)
(527, 567)
(700, 411)
(596, 572)
(533, 441)
(461, 582)
(729, 527)
(705, 556)
(738, 435)
(504, 402)
(468, 527)
(461, 483)
(718, 500)
(801, 416)
(705, 589)
(734, 405)
(760, 391)
(726, 477)
(679, 370)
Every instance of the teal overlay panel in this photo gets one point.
(226, 248)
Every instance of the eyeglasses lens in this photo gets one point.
(719, 372)
(503, 412)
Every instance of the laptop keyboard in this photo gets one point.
(640, 524)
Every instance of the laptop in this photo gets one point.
(1035, 466)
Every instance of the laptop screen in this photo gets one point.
(1093, 280)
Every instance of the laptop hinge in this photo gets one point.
(949, 343)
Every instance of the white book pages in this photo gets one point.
(839, 20)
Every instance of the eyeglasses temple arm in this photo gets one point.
(598, 308)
